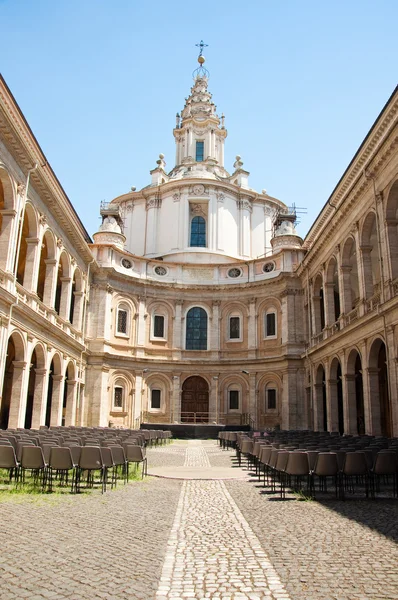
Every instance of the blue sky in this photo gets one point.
(300, 84)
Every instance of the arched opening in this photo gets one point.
(76, 300)
(62, 293)
(31, 391)
(53, 415)
(340, 404)
(12, 384)
(2, 205)
(25, 269)
(336, 397)
(47, 265)
(355, 418)
(47, 421)
(349, 269)
(23, 249)
(72, 298)
(392, 228)
(7, 384)
(319, 305)
(379, 390)
(41, 280)
(370, 256)
(321, 419)
(69, 397)
(7, 218)
(196, 329)
(332, 292)
(195, 400)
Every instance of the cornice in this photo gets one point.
(24, 147)
(373, 152)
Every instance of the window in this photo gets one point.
(198, 232)
(234, 328)
(271, 399)
(200, 148)
(233, 400)
(158, 326)
(121, 321)
(118, 397)
(155, 398)
(270, 324)
(196, 332)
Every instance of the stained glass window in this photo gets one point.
(196, 333)
(198, 232)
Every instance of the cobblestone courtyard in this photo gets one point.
(175, 538)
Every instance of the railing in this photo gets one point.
(196, 417)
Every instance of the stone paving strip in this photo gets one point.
(212, 552)
(87, 547)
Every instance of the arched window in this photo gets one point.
(198, 232)
(122, 320)
(196, 332)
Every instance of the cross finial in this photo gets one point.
(201, 46)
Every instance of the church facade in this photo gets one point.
(196, 301)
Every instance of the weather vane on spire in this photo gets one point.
(201, 71)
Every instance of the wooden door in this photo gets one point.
(195, 400)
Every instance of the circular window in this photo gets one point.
(126, 263)
(162, 271)
(268, 267)
(234, 272)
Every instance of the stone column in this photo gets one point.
(392, 244)
(350, 404)
(39, 398)
(220, 221)
(245, 210)
(50, 282)
(345, 289)
(31, 270)
(214, 325)
(78, 310)
(7, 249)
(252, 397)
(139, 393)
(365, 276)
(57, 400)
(70, 413)
(177, 329)
(17, 401)
(152, 207)
(318, 407)
(252, 329)
(371, 400)
(64, 306)
(176, 398)
(213, 400)
(332, 405)
(141, 326)
(328, 299)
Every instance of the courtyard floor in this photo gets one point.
(201, 528)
